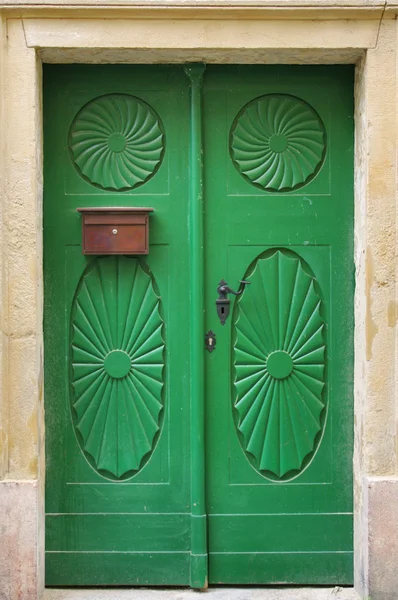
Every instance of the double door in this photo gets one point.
(169, 463)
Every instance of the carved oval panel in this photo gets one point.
(279, 359)
(117, 142)
(117, 362)
(278, 142)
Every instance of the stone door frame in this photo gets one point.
(287, 32)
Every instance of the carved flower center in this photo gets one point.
(117, 364)
(278, 142)
(279, 364)
(116, 142)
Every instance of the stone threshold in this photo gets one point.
(212, 593)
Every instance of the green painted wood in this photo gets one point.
(278, 151)
(278, 142)
(116, 330)
(117, 568)
(277, 568)
(116, 142)
(126, 532)
(279, 360)
(198, 567)
(306, 532)
(163, 460)
(117, 363)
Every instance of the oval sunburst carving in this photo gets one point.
(279, 358)
(117, 365)
(278, 142)
(116, 142)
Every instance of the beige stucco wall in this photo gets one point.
(379, 244)
(3, 283)
(291, 31)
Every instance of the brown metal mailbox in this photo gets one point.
(115, 230)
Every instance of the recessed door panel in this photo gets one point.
(117, 364)
(279, 365)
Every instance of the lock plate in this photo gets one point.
(210, 341)
(223, 302)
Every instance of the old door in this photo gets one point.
(279, 213)
(116, 329)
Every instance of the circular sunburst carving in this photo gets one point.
(116, 142)
(117, 364)
(279, 358)
(278, 142)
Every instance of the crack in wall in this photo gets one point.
(380, 23)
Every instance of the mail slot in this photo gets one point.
(115, 230)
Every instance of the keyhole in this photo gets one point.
(222, 310)
(210, 341)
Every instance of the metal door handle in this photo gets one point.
(223, 302)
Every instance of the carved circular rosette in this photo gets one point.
(117, 142)
(279, 360)
(117, 362)
(278, 142)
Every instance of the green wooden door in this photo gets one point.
(278, 163)
(279, 213)
(116, 329)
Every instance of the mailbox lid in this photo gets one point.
(115, 230)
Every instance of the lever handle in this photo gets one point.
(223, 289)
(223, 302)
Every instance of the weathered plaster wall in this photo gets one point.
(364, 39)
(380, 443)
(183, 33)
(23, 235)
(21, 491)
(3, 282)
(361, 174)
(18, 569)
(383, 538)
(375, 336)
(248, 41)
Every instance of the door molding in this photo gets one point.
(367, 41)
(199, 556)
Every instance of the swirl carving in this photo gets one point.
(117, 142)
(279, 359)
(117, 363)
(278, 142)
